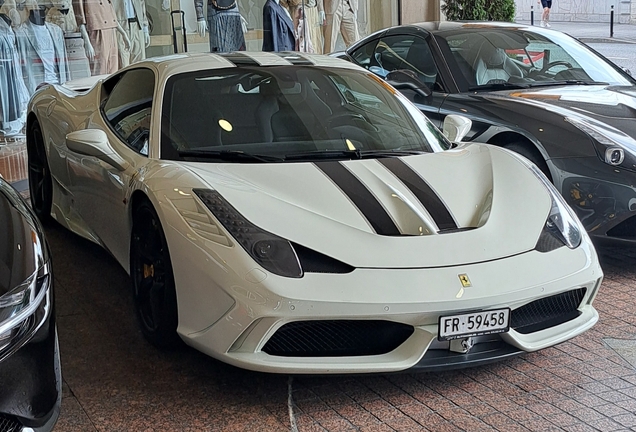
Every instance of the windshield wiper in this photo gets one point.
(349, 154)
(237, 155)
(229, 155)
(325, 154)
(499, 86)
(567, 82)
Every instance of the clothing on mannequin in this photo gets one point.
(9, 10)
(42, 51)
(314, 20)
(21, 8)
(341, 16)
(303, 38)
(13, 93)
(224, 24)
(279, 33)
(131, 16)
(61, 13)
(98, 25)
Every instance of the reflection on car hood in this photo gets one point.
(614, 105)
(18, 259)
(498, 206)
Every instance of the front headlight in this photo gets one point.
(613, 146)
(23, 310)
(273, 253)
(562, 224)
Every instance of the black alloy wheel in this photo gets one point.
(153, 281)
(40, 182)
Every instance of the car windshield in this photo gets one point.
(289, 113)
(500, 58)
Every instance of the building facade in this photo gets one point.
(580, 10)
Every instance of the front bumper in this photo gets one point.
(31, 380)
(258, 308)
(603, 196)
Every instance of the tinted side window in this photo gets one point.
(364, 54)
(406, 52)
(128, 105)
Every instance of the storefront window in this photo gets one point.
(356, 19)
(55, 41)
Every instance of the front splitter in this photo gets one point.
(480, 354)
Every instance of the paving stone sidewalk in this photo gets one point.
(115, 381)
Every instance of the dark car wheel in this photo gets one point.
(153, 281)
(40, 182)
(532, 154)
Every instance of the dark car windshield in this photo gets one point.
(490, 57)
(257, 114)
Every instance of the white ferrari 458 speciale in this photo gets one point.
(293, 213)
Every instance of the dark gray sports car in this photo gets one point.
(30, 378)
(538, 92)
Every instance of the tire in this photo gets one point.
(152, 277)
(532, 154)
(40, 182)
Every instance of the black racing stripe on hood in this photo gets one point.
(240, 59)
(361, 197)
(422, 191)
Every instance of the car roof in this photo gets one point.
(189, 62)
(435, 26)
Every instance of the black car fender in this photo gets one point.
(497, 120)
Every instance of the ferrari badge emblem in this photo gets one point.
(463, 278)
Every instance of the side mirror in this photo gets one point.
(94, 142)
(456, 127)
(407, 79)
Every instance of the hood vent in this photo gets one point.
(455, 230)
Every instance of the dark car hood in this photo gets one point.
(612, 105)
(20, 250)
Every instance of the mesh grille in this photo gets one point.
(9, 424)
(547, 312)
(337, 338)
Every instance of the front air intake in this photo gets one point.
(547, 312)
(337, 338)
(625, 229)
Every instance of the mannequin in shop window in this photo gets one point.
(131, 16)
(13, 94)
(41, 49)
(61, 13)
(11, 15)
(341, 16)
(98, 25)
(279, 33)
(224, 23)
(304, 41)
(314, 19)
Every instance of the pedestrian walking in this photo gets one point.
(545, 17)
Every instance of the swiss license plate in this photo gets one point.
(474, 324)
